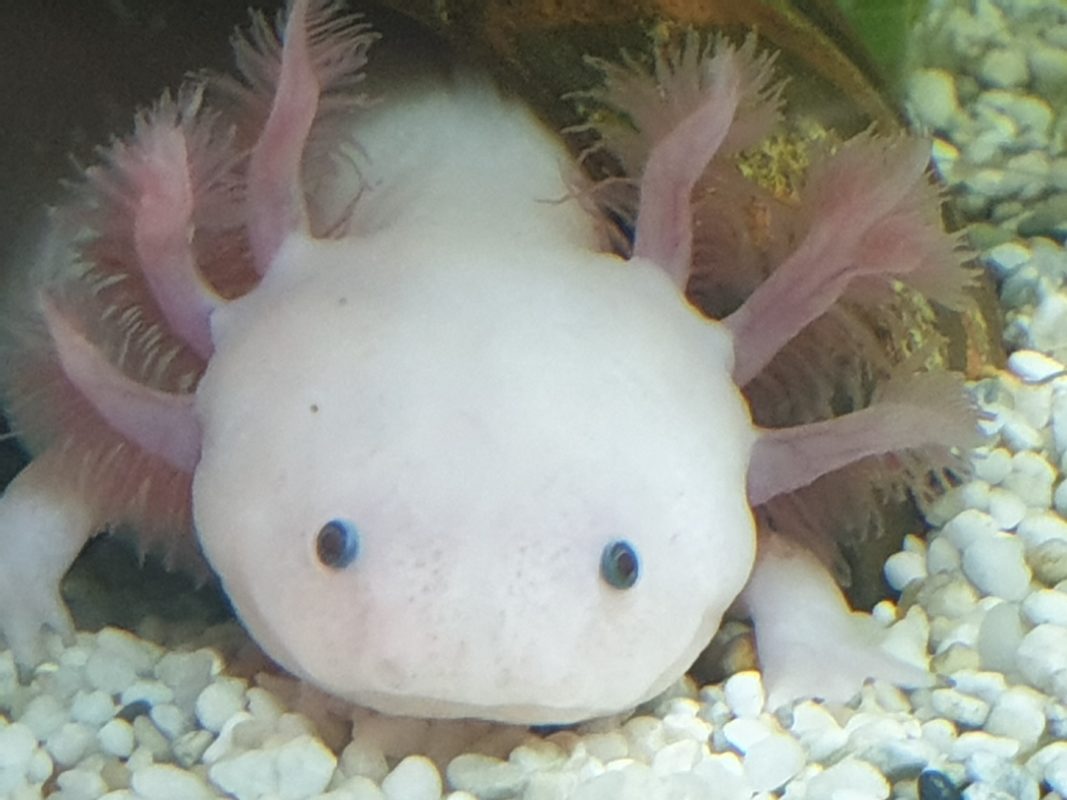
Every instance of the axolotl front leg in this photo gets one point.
(43, 526)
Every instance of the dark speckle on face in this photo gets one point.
(314, 407)
(342, 301)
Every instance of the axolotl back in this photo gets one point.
(448, 453)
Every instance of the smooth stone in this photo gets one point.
(486, 777)
(849, 775)
(1048, 560)
(414, 778)
(1031, 478)
(772, 761)
(116, 738)
(167, 782)
(1006, 508)
(999, 636)
(968, 711)
(904, 567)
(1019, 715)
(993, 466)
(1041, 654)
(363, 757)
(1005, 258)
(305, 766)
(997, 567)
(218, 702)
(932, 98)
(744, 693)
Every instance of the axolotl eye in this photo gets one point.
(619, 565)
(337, 543)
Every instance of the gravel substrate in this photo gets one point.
(984, 596)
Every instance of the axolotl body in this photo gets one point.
(448, 452)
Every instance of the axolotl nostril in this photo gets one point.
(450, 454)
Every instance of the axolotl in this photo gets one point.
(450, 453)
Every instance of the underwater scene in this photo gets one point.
(501, 400)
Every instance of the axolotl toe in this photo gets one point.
(449, 453)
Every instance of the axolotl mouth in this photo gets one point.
(449, 452)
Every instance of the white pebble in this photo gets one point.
(167, 782)
(484, 776)
(189, 748)
(40, 767)
(985, 684)
(932, 98)
(1030, 365)
(148, 736)
(68, 744)
(305, 766)
(744, 693)
(536, 755)
(17, 743)
(1042, 653)
(1019, 435)
(43, 715)
(1046, 605)
(904, 567)
(1050, 765)
(773, 761)
(848, 775)
(680, 756)
(968, 711)
(970, 526)
(606, 746)
(187, 674)
(646, 737)
(246, 776)
(109, 672)
(942, 556)
(414, 778)
(743, 733)
(152, 692)
(81, 784)
(1031, 478)
(1041, 526)
(817, 730)
(1004, 68)
(685, 726)
(1019, 715)
(363, 757)
(217, 703)
(1006, 508)
(1049, 561)
(997, 567)
(724, 772)
(1059, 418)
(355, 788)
(949, 595)
(1048, 329)
(116, 738)
(899, 758)
(971, 743)
(1059, 498)
(993, 466)
(93, 708)
(999, 636)
(171, 721)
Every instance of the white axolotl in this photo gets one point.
(448, 453)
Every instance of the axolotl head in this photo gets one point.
(449, 484)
